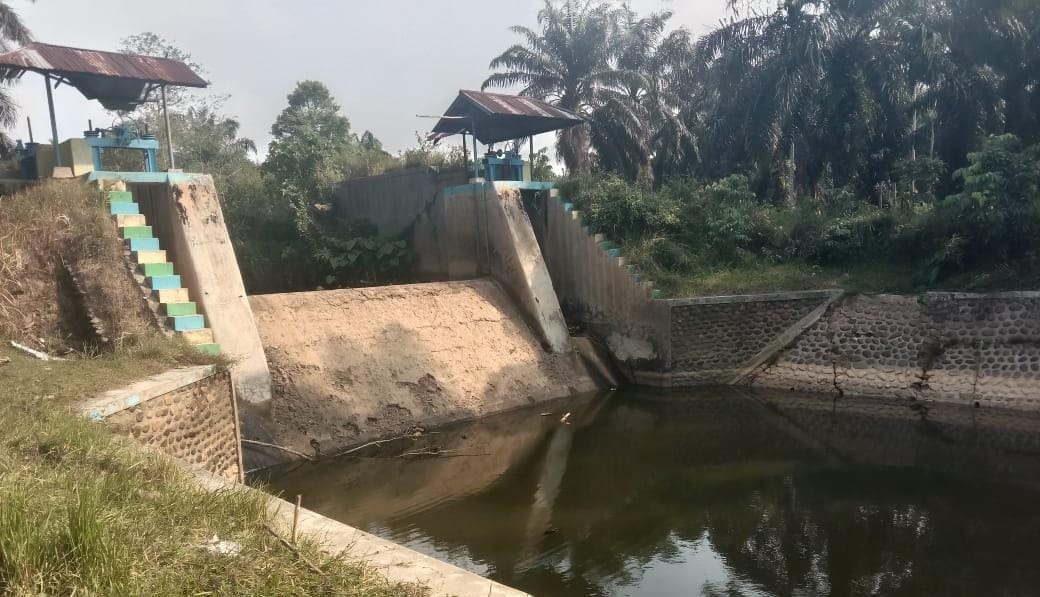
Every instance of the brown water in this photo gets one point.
(715, 492)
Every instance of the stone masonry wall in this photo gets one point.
(965, 348)
(195, 423)
(711, 340)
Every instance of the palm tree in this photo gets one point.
(565, 63)
(962, 82)
(12, 32)
(639, 124)
(862, 118)
(765, 71)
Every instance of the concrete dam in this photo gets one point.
(892, 397)
(487, 334)
(359, 364)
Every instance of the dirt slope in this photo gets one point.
(352, 365)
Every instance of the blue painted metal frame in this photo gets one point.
(150, 147)
(492, 167)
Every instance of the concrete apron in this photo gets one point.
(395, 562)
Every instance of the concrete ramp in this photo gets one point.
(357, 364)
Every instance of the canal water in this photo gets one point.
(710, 492)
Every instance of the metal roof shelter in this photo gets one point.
(118, 81)
(495, 117)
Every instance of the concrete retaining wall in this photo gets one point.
(188, 413)
(462, 231)
(514, 259)
(410, 203)
(393, 201)
(713, 340)
(186, 217)
(597, 288)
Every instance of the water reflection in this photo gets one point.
(714, 492)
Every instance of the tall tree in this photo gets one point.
(639, 126)
(773, 63)
(565, 62)
(305, 160)
(308, 139)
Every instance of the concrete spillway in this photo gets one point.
(356, 364)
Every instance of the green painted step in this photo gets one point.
(120, 196)
(175, 309)
(155, 269)
(209, 348)
(137, 232)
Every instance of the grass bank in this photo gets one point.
(886, 277)
(84, 511)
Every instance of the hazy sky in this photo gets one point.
(384, 60)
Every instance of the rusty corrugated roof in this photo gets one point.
(63, 60)
(495, 117)
(517, 105)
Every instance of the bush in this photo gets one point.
(995, 217)
(724, 221)
(620, 210)
(695, 227)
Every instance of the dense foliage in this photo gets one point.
(828, 133)
(12, 32)
(690, 228)
(825, 133)
(802, 97)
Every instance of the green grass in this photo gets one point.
(871, 277)
(86, 512)
(764, 278)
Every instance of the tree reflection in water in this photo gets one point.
(726, 493)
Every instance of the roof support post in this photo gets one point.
(465, 153)
(169, 132)
(54, 121)
(532, 157)
(476, 170)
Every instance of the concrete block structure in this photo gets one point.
(156, 273)
(183, 257)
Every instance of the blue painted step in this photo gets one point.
(144, 244)
(123, 208)
(164, 282)
(184, 323)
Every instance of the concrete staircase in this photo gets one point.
(157, 274)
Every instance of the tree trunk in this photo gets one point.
(791, 173)
(913, 145)
(574, 149)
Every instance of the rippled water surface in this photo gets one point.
(714, 492)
